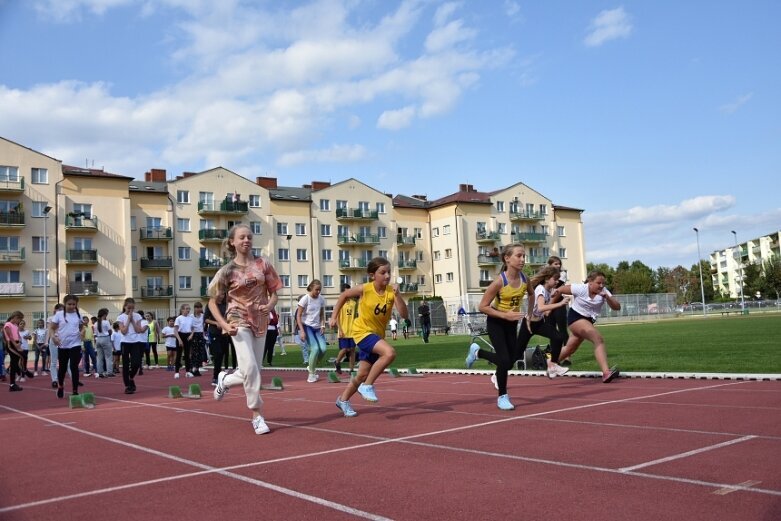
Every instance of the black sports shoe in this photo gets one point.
(338, 367)
(54, 385)
(14, 388)
(614, 373)
(60, 392)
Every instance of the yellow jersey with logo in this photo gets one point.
(374, 312)
(347, 318)
(509, 298)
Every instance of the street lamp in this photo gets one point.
(740, 267)
(290, 284)
(46, 210)
(699, 265)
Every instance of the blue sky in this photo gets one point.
(653, 117)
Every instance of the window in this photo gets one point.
(206, 200)
(328, 281)
(382, 231)
(133, 223)
(84, 209)
(438, 278)
(380, 207)
(449, 276)
(484, 275)
(325, 205)
(300, 229)
(363, 206)
(9, 276)
(183, 196)
(421, 280)
(254, 201)
(344, 255)
(448, 253)
(9, 206)
(544, 229)
(154, 282)
(480, 227)
(9, 173)
(303, 281)
(39, 276)
(154, 222)
(134, 283)
(39, 176)
(83, 276)
(255, 227)
(435, 231)
(381, 253)
(182, 224)
(206, 224)
(364, 231)
(185, 282)
(418, 233)
(342, 231)
(282, 229)
(437, 255)
(184, 253)
(301, 254)
(9, 244)
(257, 252)
(327, 255)
(543, 209)
(560, 231)
(419, 255)
(37, 209)
(341, 205)
(344, 279)
(40, 245)
(500, 206)
(283, 254)
(133, 253)
(285, 280)
(325, 230)
(530, 208)
(501, 228)
(563, 253)
(446, 229)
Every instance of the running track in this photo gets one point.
(433, 448)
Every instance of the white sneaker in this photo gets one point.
(176, 376)
(35, 373)
(220, 389)
(493, 381)
(555, 370)
(259, 424)
(189, 374)
(97, 375)
(312, 378)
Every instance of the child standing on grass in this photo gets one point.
(376, 304)
(347, 317)
(171, 341)
(41, 347)
(66, 328)
(13, 346)
(249, 285)
(311, 324)
(501, 304)
(587, 302)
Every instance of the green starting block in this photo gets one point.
(276, 385)
(334, 378)
(82, 401)
(410, 372)
(174, 391)
(194, 391)
(393, 372)
(413, 372)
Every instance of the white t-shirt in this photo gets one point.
(184, 323)
(105, 325)
(583, 304)
(393, 323)
(116, 340)
(169, 333)
(40, 335)
(68, 329)
(197, 323)
(540, 290)
(311, 310)
(132, 335)
(23, 340)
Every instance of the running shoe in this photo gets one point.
(312, 378)
(472, 356)
(338, 367)
(260, 425)
(367, 392)
(614, 373)
(14, 388)
(60, 392)
(503, 402)
(220, 389)
(494, 381)
(555, 370)
(345, 408)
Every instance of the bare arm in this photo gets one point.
(489, 296)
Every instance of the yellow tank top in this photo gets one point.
(374, 312)
(510, 298)
(347, 317)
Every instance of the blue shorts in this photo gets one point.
(574, 316)
(365, 347)
(346, 343)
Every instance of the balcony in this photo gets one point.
(12, 257)
(212, 264)
(223, 208)
(408, 264)
(159, 233)
(489, 260)
(204, 291)
(346, 214)
(529, 237)
(485, 283)
(536, 260)
(408, 288)
(81, 257)
(526, 216)
(484, 237)
(12, 185)
(159, 292)
(76, 287)
(80, 222)
(405, 240)
(11, 289)
(357, 240)
(353, 264)
(157, 263)
(213, 235)
(11, 219)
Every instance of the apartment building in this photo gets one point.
(160, 240)
(727, 264)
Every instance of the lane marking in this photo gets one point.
(734, 488)
(686, 454)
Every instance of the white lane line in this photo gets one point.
(263, 484)
(686, 454)
(734, 488)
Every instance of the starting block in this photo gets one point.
(276, 385)
(414, 372)
(333, 378)
(194, 391)
(174, 391)
(394, 373)
(410, 372)
(82, 401)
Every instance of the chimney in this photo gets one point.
(319, 185)
(465, 188)
(421, 197)
(155, 175)
(269, 183)
(188, 174)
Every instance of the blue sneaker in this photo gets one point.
(345, 408)
(504, 403)
(367, 392)
(472, 356)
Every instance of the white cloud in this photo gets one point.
(687, 209)
(511, 8)
(608, 25)
(729, 108)
(334, 154)
(396, 119)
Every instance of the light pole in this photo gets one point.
(290, 284)
(740, 267)
(699, 265)
(46, 210)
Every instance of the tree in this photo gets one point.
(752, 274)
(634, 278)
(771, 277)
(680, 281)
(604, 268)
(707, 281)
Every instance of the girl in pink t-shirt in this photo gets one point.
(249, 284)
(14, 348)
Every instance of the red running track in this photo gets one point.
(433, 448)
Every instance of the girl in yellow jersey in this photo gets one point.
(502, 305)
(374, 311)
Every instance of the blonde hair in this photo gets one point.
(227, 243)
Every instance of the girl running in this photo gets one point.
(311, 324)
(345, 322)
(501, 304)
(374, 352)
(66, 327)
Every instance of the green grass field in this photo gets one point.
(747, 344)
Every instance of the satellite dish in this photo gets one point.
(399, 280)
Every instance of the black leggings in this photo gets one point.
(219, 348)
(504, 338)
(132, 355)
(546, 328)
(15, 367)
(271, 339)
(70, 356)
(559, 318)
